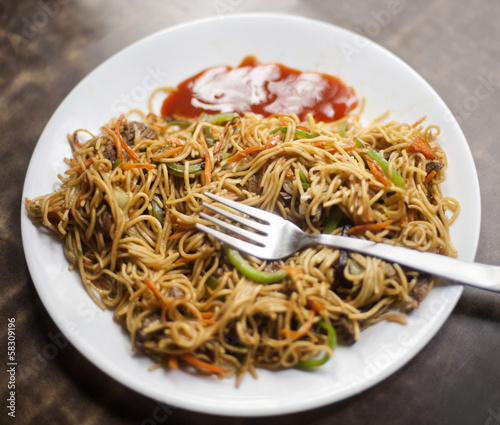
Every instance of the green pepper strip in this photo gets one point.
(334, 218)
(332, 342)
(213, 282)
(209, 138)
(217, 118)
(341, 129)
(157, 212)
(177, 167)
(299, 134)
(179, 123)
(356, 267)
(303, 180)
(251, 272)
(396, 177)
(360, 143)
(117, 163)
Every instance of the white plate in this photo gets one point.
(168, 57)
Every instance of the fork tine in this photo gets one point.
(252, 224)
(239, 244)
(254, 237)
(246, 209)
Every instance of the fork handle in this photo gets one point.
(482, 276)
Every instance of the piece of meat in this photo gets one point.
(105, 221)
(128, 132)
(286, 197)
(390, 271)
(253, 184)
(140, 336)
(433, 166)
(343, 253)
(345, 330)
(418, 292)
(342, 263)
(317, 216)
(271, 267)
(109, 152)
(175, 292)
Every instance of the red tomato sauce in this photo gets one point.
(264, 89)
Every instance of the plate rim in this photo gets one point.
(88, 352)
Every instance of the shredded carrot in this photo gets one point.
(430, 176)
(207, 322)
(165, 303)
(218, 145)
(120, 143)
(207, 314)
(124, 145)
(132, 165)
(175, 141)
(87, 163)
(248, 137)
(306, 326)
(129, 150)
(348, 147)
(203, 365)
(208, 164)
(362, 228)
(177, 235)
(289, 173)
(184, 260)
(173, 362)
(317, 144)
(155, 121)
(292, 269)
(316, 306)
(168, 152)
(419, 145)
(77, 143)
(377, 171)
(174, 219)
(419, 121)
(116, 141)
(243, 153)
(119, 123)
(156, 292)
(273, 140)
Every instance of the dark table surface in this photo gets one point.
(49, 45)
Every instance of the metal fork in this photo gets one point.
(273, 238)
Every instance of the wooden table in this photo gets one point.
(48, 46)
